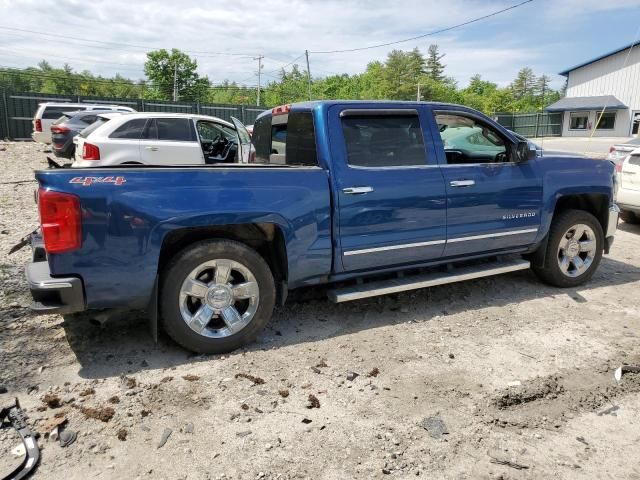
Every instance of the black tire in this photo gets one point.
(185, 262)
(551, 273)
(629, 217)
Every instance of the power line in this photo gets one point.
(119, 45)
(468, 22)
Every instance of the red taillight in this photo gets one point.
(59, 129)
(90, 152)
(612, 149)
(619, 166)
(252, 156)
(281, 110)
(60, 221)
(38, 125)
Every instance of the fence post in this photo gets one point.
(198, 107)
(5, 110)
(537, 124)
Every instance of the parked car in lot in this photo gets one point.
(618, 152)
(71, 124)
(163, 139)
(49, 112)
(628, 198)
(368, 197)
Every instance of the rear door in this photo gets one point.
(493, 203)
(390, 192)
(170, 141)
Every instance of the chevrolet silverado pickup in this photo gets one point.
(369, 197)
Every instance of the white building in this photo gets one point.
(610, 82)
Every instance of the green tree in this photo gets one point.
(174, 70)
(434, 65)
(524, 84)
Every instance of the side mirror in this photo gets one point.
(523, 152)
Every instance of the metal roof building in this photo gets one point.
(609, 82)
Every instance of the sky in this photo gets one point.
(225, 36)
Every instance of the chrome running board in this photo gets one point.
(424, 280)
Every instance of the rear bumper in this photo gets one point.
(53, 295)
(41, 137)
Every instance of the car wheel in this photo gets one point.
(216, 296)
(629, 217)
(574, 249)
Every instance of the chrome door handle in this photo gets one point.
(462, 183)
(153, 149)
(357, 190)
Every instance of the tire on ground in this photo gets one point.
(629, 217)
(186, 261)
(551, 273)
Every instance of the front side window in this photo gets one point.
(466, 140)
(606, 120)
(209, 131)
(383, 140)
(131, 130)
(579, 120)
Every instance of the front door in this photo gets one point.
(493, 203)
(389, 191)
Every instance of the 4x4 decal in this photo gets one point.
(87, 181)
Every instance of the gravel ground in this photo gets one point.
(494, 378)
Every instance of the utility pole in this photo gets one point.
(259, 59)
(306, 53)
(175, 82)
(418, 95)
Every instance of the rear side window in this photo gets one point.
(292, 141)
(131, 130)
(300, 140)
(173, 129)
(382, 140)
(52, 113)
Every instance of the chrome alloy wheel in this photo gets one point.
(577, 250)
(219, 298)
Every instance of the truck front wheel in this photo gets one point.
(574, 249)
(216, 296)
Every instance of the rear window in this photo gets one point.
(131, 130)
(94, 126)
(293, 142)
(52, 113)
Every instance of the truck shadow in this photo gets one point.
(123, 345)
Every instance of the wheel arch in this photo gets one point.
(265, 238)
(595, 203)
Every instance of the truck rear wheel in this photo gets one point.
(574, 249)
(216, 296)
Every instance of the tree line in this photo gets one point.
(403, 75)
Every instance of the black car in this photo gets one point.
(68, 126)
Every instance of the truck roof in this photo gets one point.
(311, 105)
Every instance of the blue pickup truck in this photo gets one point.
(370, 197)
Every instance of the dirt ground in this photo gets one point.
(499, 378)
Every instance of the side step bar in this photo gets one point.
(431, 279)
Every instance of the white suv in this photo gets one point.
(49, 112)
(628, 197)
(163, 139)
